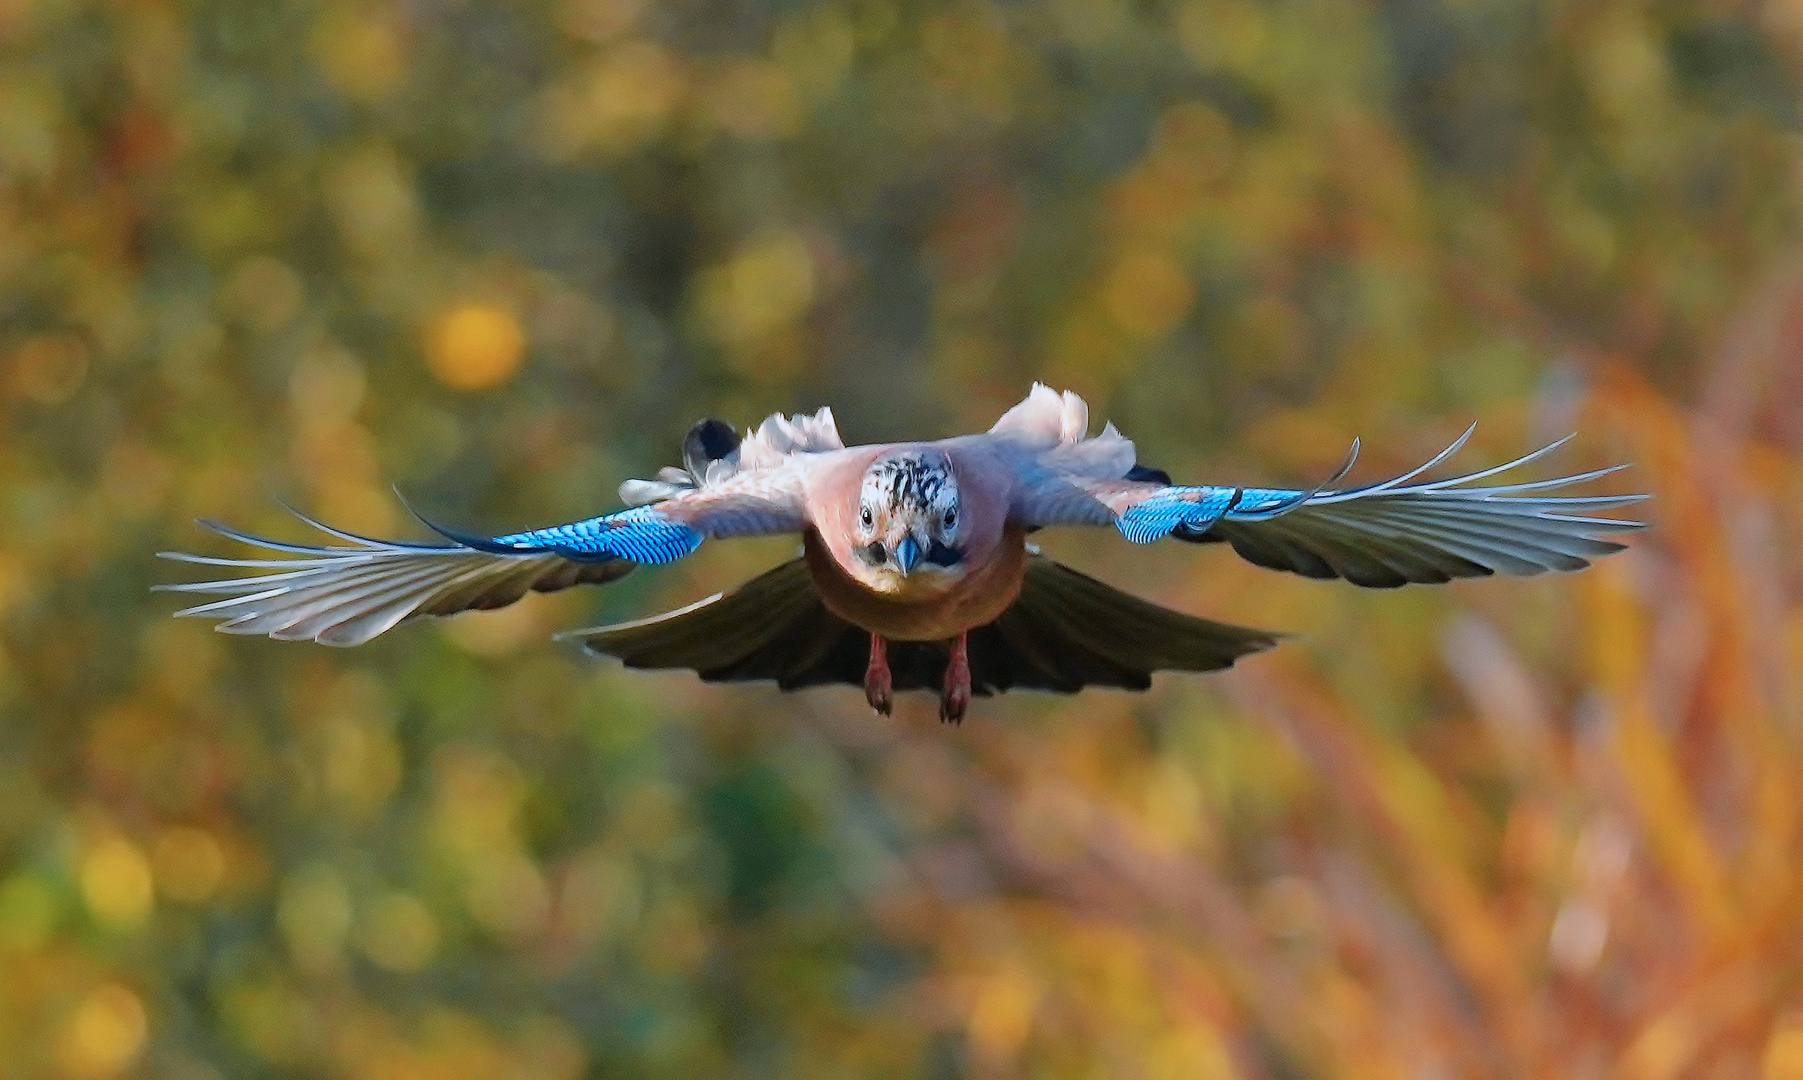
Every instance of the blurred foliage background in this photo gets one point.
(501, 253)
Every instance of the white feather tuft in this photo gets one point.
(769, 446)
(1074, 420)
(1037, 422)
(1055, 427)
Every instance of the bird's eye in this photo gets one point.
(866, 517)
(951, 518)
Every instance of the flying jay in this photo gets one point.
(916, 571)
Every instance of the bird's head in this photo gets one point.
(909, 518)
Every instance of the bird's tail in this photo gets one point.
(1065, 632)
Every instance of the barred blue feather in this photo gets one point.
(1155, 517)
(640, 534)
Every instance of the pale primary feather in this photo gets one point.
(347, 594)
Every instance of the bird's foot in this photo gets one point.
(879, 685)
(956, 698)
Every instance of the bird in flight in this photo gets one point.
(915, 570)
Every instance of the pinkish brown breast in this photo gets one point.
(979, 597)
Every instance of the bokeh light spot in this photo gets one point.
(1189, 1052)
(816, 51)
(314, 912)
(263, 293)
(104, 1035)
(507, 894)
(1002, 1015)
(189, 864)
(371, 193)
(761, 287)
(398, 933)
(327, 386)
(1233, 34)
(549, 1050)
(475, 346)
(1147, 293)
(617, 102)
(1577, 938)
(752, 99)
(599, 20)
(27, 911)
(116, 882)
(360, 52)
(1784, 1049)
(49, 368)
(361, 765)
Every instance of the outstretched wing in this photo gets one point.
(345, 594)
(1380, 536)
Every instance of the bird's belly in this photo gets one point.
(927, 612)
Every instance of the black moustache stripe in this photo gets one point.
(942, 554)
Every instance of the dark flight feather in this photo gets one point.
(1065, 632)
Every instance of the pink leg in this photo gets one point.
(878, 685)
(957, 682)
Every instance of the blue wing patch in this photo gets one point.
(640, 534)
(1152, 519)
(1195, 509)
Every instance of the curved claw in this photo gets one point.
(955, 697)
(879, 684)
